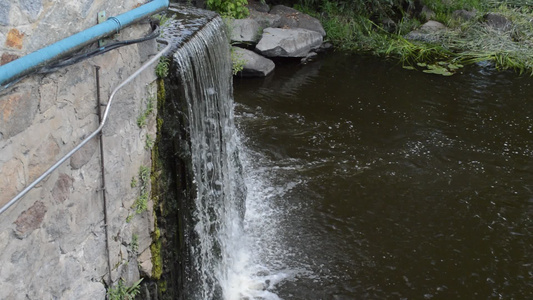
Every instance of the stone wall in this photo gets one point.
(53, 241)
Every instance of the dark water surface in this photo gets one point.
(384, 183)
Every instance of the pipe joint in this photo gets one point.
(119, 25)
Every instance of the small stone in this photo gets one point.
(84, 155)
(463, 15)
(14, 39)
(62, 188)
(30, 219)
(429, 32)
(431, 26)
(7, 58)
(309, 57)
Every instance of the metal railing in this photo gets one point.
(94, 133)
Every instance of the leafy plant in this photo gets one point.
(134, 243)
(149, 142)
(229, 8)
(141, 120)
(144, 176)
(133, 182)
(141, 203)
(237, 62)
(162, 68)
(122, 292)
(143, 116)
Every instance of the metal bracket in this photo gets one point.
(101, 18)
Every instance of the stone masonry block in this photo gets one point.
(17, 111)
(12, 179)
(84, 155)
(30, 219)
(44, 157)
(14, 39)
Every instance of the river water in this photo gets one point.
(369, 181)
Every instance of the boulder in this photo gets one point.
(432, 26)
(245, 31)
(264, 19)
(429, 32)
(278, 42)
(462, 14)
(291, 18)
(258, 5)
(497, 21)
(254, 64)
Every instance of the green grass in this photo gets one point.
(149, 143)
(143, 116)
(122, 292)
(464, 42)
(141, 203)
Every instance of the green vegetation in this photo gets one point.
(163, 18)
(134, 243)
(157, 260)
(229, 8)
(133, 182)
(162, 68)
(143, 116)
(237, 62)
(122, 292)
(379, 27)
(149, 142)
(144, 175)
(141, 203)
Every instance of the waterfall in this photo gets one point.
(204, 68)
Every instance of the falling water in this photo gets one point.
(216, 244)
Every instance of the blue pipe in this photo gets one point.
(35, 60)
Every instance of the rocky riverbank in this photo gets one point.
(436, 42)
(273, 33)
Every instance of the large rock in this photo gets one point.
(245, 31)
(258, 5)
(254, 65)
(278, 42)
(291, 18)
(265, 20)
